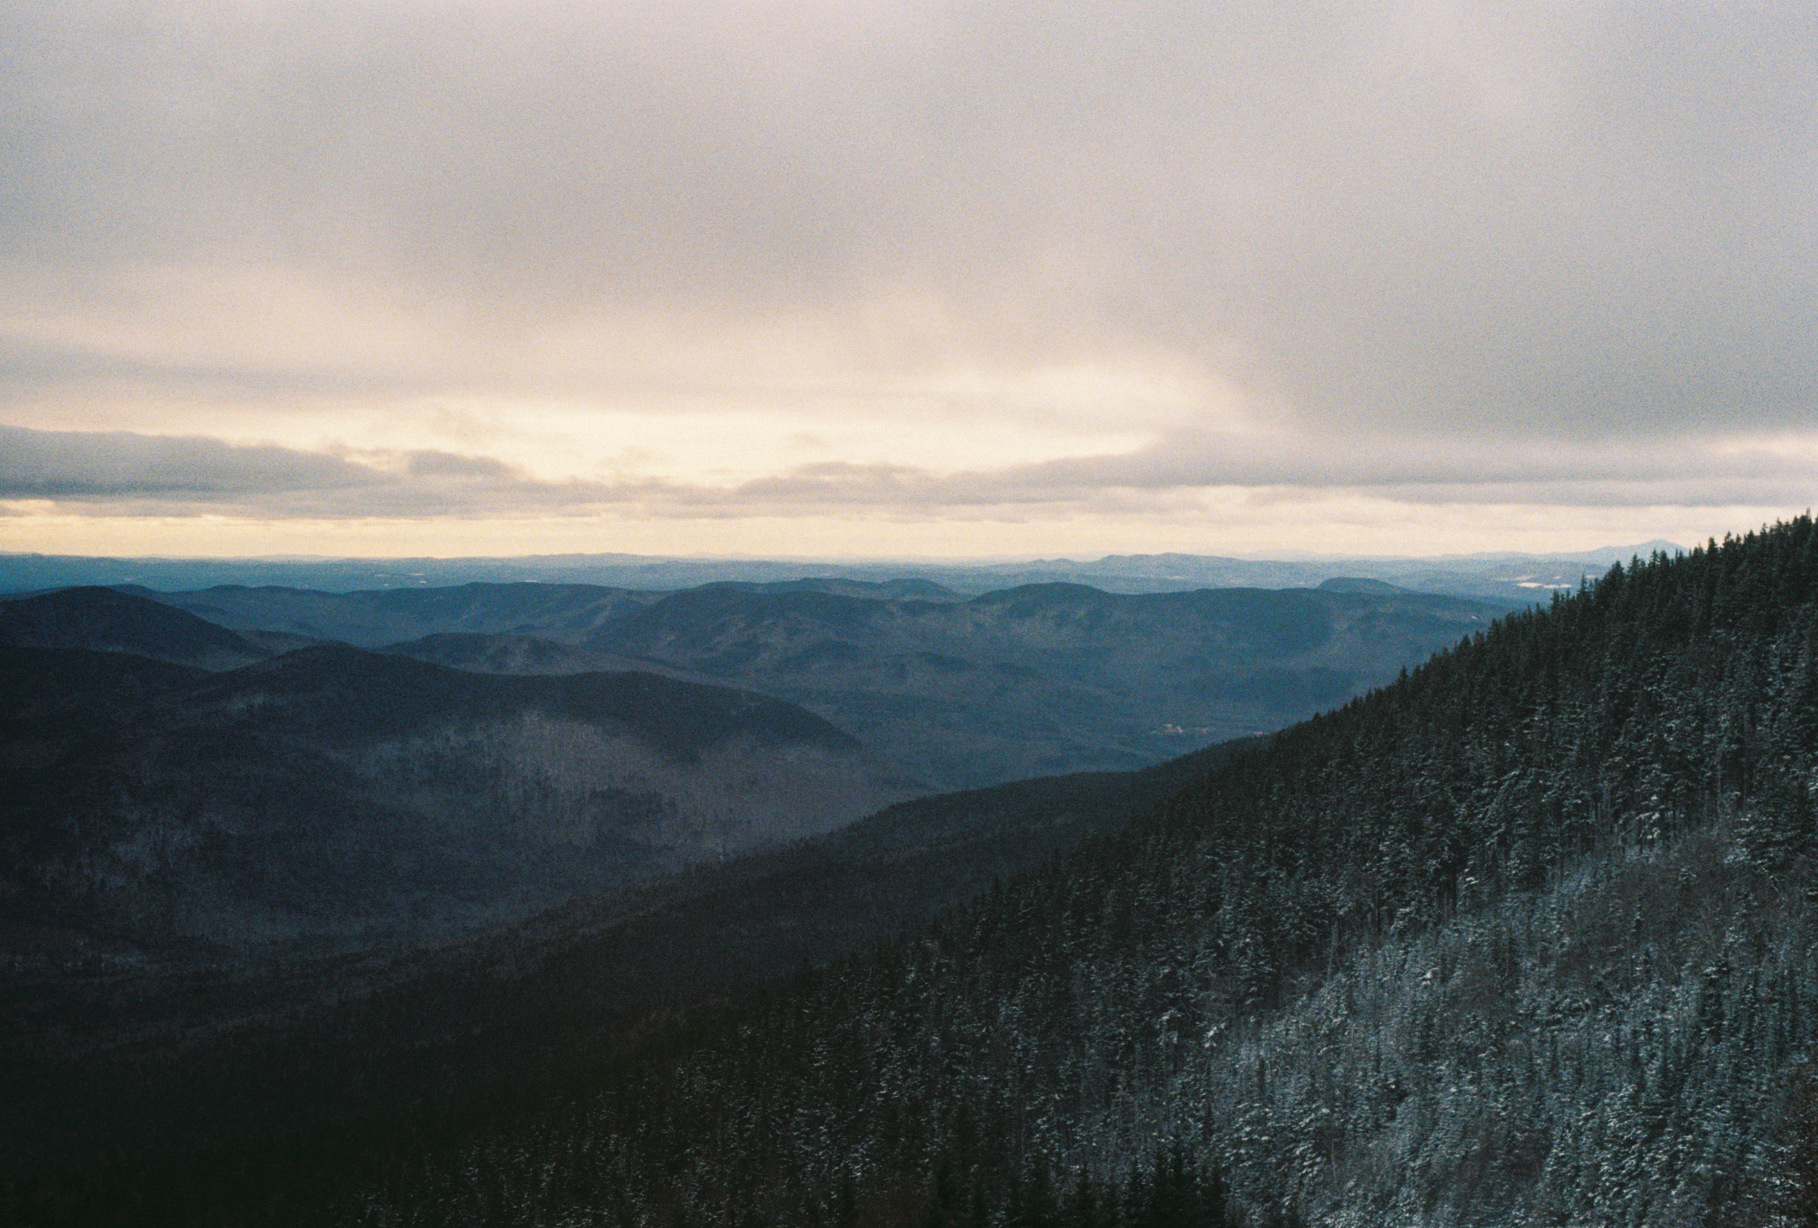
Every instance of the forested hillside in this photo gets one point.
(1523, 938)
(334, 799)
(374, 617)
(103, 620)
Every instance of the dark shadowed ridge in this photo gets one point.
(1361, 584)
(336, 799)
(348, 694)
(108, 621)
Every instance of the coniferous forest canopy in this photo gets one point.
(1525, 936)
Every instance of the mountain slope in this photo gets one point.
(108, 621)
(480, 653)
(350, 798)
(1526, 938)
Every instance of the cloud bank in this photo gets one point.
(354, 259)
(198, 476)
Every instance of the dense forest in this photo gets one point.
(1525, 937)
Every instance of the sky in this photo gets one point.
(903, 278)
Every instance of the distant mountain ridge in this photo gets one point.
(481, 653)
(1498, 577)
(566, 613)
(1048, 678)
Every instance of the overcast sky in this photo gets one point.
(902, 277)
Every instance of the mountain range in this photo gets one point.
(1523, 936)
(1507, 577)
(964, 691)
(223, 772)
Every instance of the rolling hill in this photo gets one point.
(340, 798)
(565, 613)
(1031, 681)
(108, 621)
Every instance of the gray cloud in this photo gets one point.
(1573, 221)
(122, 471)
(139, 474)
(1686, 472)
(81, 466)
(37, 372)
(1357, 460)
